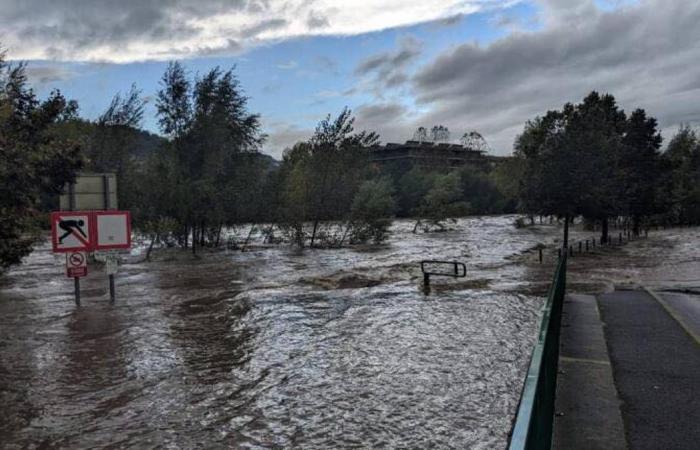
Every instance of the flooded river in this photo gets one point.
(276, 348)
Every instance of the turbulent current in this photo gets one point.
(276, 347)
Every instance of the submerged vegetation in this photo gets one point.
(206, 172)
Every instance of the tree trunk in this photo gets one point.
(218, 234)
(604, 231)
(187, 236)
(202, 234)
(150, 247)
(636, 225)
(313, 233)
(194, 239)
(566, 234)
(247, 238)
(415, 227)
(345, 234)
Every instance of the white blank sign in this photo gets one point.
(113, 231)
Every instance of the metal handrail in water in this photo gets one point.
(535, 417)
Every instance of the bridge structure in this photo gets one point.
(615, 370)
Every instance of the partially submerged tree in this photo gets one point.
(324, 174)
(371, 211)
(573, 160)
(443, 201)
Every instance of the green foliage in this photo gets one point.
(444, 200)
(321, 176)
(371, 210)
(683, 183)
(34, 159)
(589, 159)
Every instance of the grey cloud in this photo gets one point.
(645, 55)
(71, 25)
(317, 20)
(263, 26)
(382, 113)
(388, 69)
(283, 136)
(39, 75)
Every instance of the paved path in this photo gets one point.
(629, 372)
(656, 366)
(588, 409)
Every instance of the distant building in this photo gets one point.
(432, 155)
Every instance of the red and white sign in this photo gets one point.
(71, 231)
(76, 264)
(90, 230)
(112, 230)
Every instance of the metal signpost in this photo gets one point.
(76, 267)
(97, 227)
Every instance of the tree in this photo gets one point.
(444, 200)
(212, 135)
(34, 160)
(110, 144)
(439, 133)
(639, 164)
(421, 135)
(683, 159)
(572, 161)
(475, 141)
(324, 173)
(372, 207)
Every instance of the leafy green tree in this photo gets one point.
(111, 145)
(212, 136)
(372, 208)
(683, 158)
(572, 161)
(34, 159)
(444, 200)
(325, 173)
(640, 165)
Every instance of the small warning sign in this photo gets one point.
(76, 264)
(71, 231)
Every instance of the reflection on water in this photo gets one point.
(275, 347)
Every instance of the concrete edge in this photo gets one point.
(604, 364)
(672, 312)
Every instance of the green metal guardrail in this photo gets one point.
(534, 421)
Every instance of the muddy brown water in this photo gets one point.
(277, 348)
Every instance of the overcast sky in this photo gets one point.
(482, 65)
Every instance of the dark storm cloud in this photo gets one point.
(645, 55)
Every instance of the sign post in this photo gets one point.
(97, 227)
(76, 267)
(78, 232)
(113, 230)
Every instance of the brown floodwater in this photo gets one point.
(279, 348)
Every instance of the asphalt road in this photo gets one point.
(656, 368)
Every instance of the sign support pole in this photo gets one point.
(107, 198)
(112, 294)
(77, 290)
